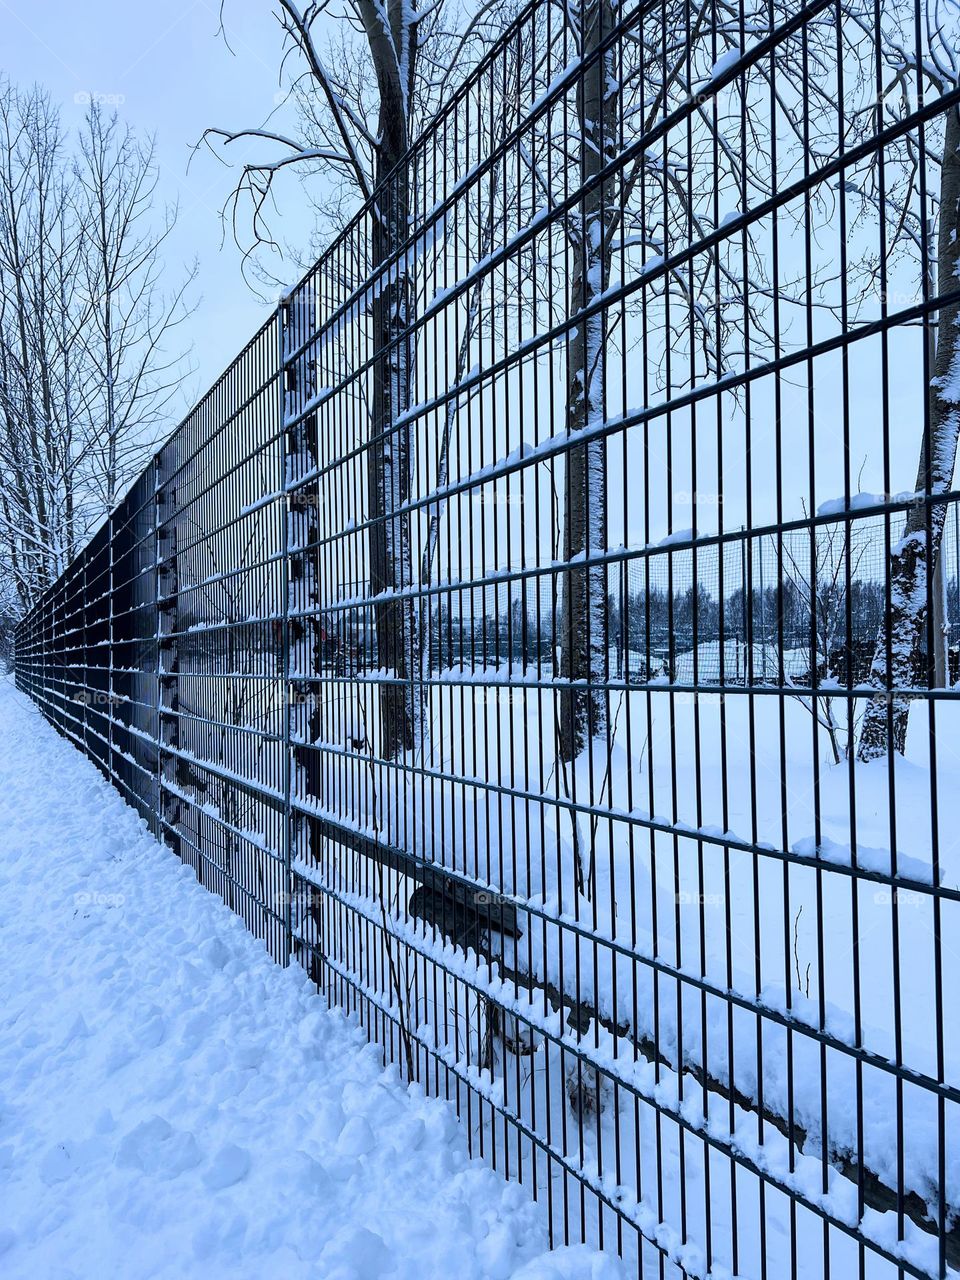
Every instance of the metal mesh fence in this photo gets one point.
(493, 640)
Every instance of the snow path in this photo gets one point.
(173, 1104)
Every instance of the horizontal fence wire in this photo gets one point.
(513, 637)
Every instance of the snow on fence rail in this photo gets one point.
(492, 639)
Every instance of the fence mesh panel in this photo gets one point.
(498, 637)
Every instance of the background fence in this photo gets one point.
(493, 640)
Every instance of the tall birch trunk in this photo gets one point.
(583, 623)
(390, 456)
(897, 658)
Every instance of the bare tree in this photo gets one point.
(630, 216)
(358, 112)
(84, 374)
(38, 479)
(728, 296)
(820, 583)
(131, 374)
(911, 188)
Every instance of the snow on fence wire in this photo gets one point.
(492, 637)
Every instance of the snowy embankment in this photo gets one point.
(173, 1104)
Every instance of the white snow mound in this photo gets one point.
(172, 1104)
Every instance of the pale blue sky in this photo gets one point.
(170, 74)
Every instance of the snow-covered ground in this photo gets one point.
(685, 776)
(173, 1104)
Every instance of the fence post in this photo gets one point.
(168, 662)
(286, 706)
(301, 627)
(83, 651)
(110, 705)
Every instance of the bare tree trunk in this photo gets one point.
(583, 625)
(389, 458)
(897, 657)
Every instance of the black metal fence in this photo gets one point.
(497, 636)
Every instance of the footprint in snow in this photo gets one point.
(156, 1147)
(356, 1137)
(229, 1165)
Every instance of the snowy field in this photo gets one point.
(173, 1104)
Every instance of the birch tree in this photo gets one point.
(583, 626)
(38, 474)
(623, 219)
(664, 199)
(897, 661)
(908, 194)
(132, 374)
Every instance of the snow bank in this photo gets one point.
(173, 1104)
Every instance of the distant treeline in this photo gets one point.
(648, 629)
